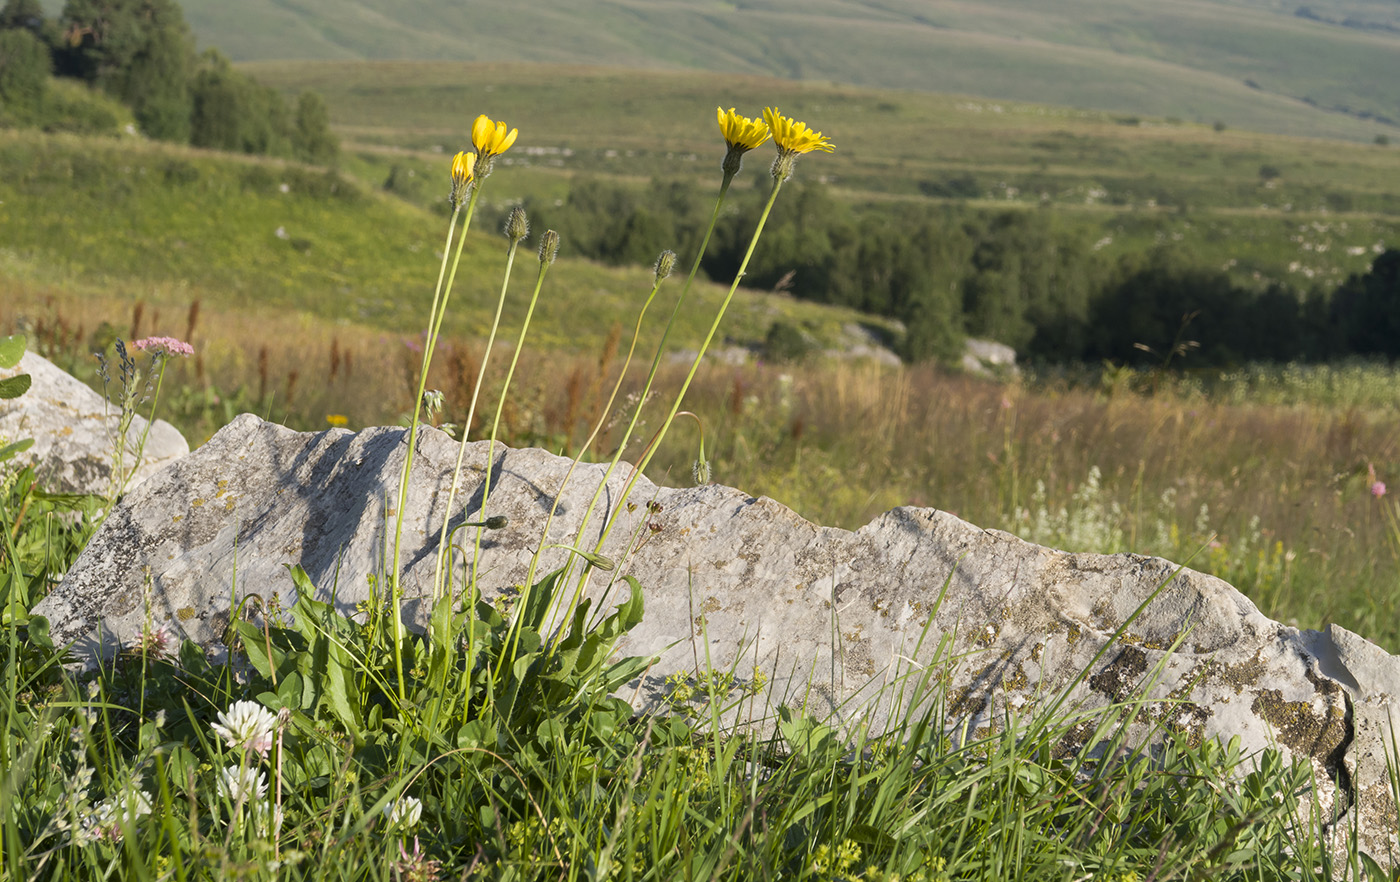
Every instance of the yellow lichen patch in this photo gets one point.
(1299, 726)
(986, 635)
(184, 613)
(198, 503)
(177, 518)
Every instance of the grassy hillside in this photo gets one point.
(172, 224)
(1301, 210)
(1252, 65)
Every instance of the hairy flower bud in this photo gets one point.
(664, 265)
(549, 247)
(517, 225)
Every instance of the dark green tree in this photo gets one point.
(1366, 308)
(27, 14)
(312, 140)
(229, 111)
(24, 76)
(157, 85)
(104, 37)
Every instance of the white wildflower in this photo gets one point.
(243, 784)
(248, 726)
(404, 812)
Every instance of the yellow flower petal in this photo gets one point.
(462, 165)
(792, 136)
(492, 138)
(740, 132)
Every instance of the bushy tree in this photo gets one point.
(1366, 308)
(26, 14)
(105, 36)
(312, 140)
(230, 111)
(157, 86)
(24, 76)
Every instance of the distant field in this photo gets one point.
(117, 221)
(1252, 65)
(1302, 210)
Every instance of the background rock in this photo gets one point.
(74, 431)
(829, 617)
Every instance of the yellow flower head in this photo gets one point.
(742, 135)
(463, 169)
(490, 138)
(793, 139)
(740, 132)
(792, 136)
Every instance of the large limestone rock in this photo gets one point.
(741, 581)
(75, 429)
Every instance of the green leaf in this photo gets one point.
(14, 387)
(11, 350)
(38, 630)
(538, 599)
(10, 451)
(331, 666)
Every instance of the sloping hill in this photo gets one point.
(1333, 70)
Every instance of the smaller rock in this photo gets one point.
(75, 429)
(989, 358)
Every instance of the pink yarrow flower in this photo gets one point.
(164, 346)
(1378, 489)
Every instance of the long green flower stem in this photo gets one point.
(491, 449)
(651, 378)
(695, 365)
(441, 294)
(597, 428)
(443, 546)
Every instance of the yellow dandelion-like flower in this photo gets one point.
(792, 136)
(490, 138)
(740, 132)
(792, 139)
(463, 169)
(742, 135)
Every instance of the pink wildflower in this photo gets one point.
(164, 346)
(1378, 489)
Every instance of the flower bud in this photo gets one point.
(700, 471)
(664, 265)
(549, 247)
(517, 225)
(497, 523)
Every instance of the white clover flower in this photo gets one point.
(248, 726)
(243, 784)
(109, 819)
(404, 812)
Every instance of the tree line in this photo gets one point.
(142, 53)
(1025, 278)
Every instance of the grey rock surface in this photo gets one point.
(830, 617)
(75, 431)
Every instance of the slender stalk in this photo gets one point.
(491, 448)
(588, 443)
(441, 295)
(441, 572)
(695, 365)
(651, 374)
